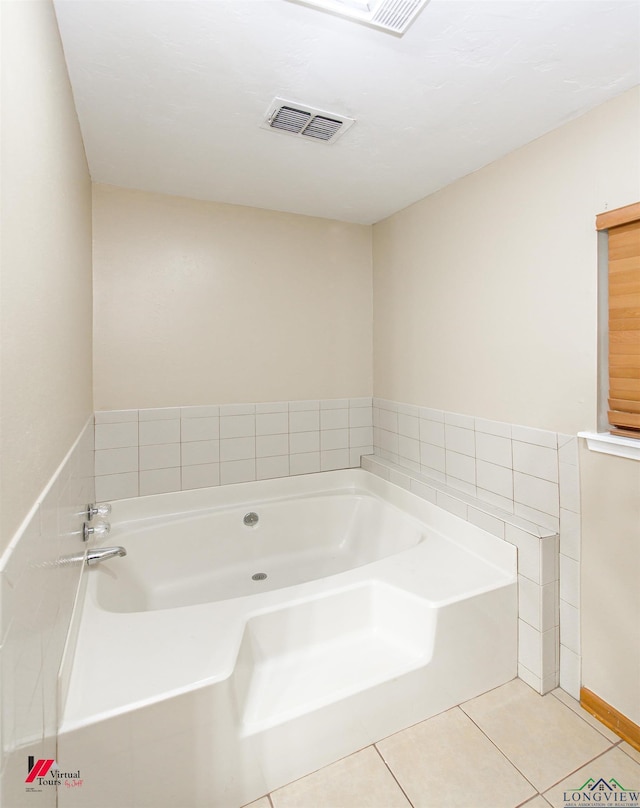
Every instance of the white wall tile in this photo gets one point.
(388, 441)
(117, 486)
(497, 428)
(272, 406)
(115, 416)
(361, 417)
(275, 423)
(212, 411)
(457, 419)
(494, 449)
(550, 611)
(199, 452)
(409, 426)
(570, 581)
(408, 409)
(334, 403)
(334, 419)
(152, 432)
(530, 648)
(274, 445)
(204, 475)
(238, 426)
(538, 461)
(529, 606)
(303, 442)
(304, 463)
(568, 449)
(333, 459)
(528, 552)
(486, 521)
(362, 436)
(570, 534)
(356, 453)
(570, 673)
(159, 456)
(334, 439)
(116, 436)
(461, 485)
(159, 414)
(303, 406)
(541, 495)
(569, 487)
(432, 432)
(431, 415)
(451, 504)
(497, 479)
(424, 491)
(159, 481)
(388, 420)
(432, 457)
(269, 467)
(204, 428)
(116, 461)
(237, 471)
(529, 678)
(503, 503)
(457, 439)
(570, 626)
(304, 421)
(541, 437)
(359, 403)
(549, 569)
(460, 466)
(409, 448)
(237, 449)
(537, 517)
(237, 409)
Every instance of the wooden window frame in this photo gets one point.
(619, 413)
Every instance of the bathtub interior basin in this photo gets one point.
(217, 556)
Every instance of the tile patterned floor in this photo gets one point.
(507, 748)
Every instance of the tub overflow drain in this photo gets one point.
(259, 576)
(251, 519)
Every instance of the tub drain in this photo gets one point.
(259, 576)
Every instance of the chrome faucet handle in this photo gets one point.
(98, 509)
(98, 529)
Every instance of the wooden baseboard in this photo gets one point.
(610, 717)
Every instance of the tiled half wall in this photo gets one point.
(155, 451)
(522, 485)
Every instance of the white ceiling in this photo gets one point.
(171, 93)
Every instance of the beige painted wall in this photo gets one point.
(45, 261)
(203, 303)
(610, 574)
(485, 293)
(485, 302)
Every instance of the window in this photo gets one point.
(622, 227)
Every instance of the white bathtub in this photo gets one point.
(196, 685)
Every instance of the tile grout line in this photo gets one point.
(504, 755)
(390, 770)
(592, 760)
(613, 743)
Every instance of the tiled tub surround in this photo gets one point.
(156, 451)
(516, 482)
(38, 591)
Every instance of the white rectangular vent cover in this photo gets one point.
(292, 118)
(393, 16)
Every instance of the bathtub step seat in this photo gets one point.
(298, 659)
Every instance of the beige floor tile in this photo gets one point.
(630, 751)
(359, 781)
(574, 705)
(537, 802)
(263, 802)
(613, 764)
(446, 760)
(542, 737)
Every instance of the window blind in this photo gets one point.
(623, 226)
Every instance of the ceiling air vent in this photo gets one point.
(392, 16)
(299, 120)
